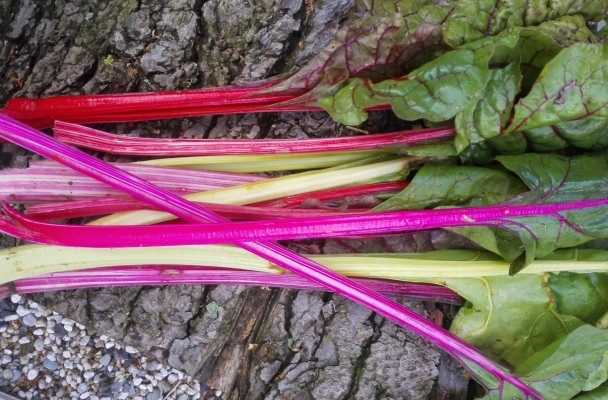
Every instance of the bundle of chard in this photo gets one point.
(518, 166)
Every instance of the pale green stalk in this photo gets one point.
(270, 189)
(266, 162)
(32, 260)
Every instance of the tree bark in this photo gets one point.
(242, 342)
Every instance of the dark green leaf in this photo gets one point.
(578, 362)
(551, 179)
(443, 87)
(487, 113)
(584, 296)
(437, 185)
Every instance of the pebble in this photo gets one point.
(65, 360)
(29, 320)
(105, 360)
(39, 344)
(32, 374)
(49, 364)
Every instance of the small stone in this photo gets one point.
(130, 350)
(60, 330)
(15, 298)
(24, 340)
(29, 320)
(105, 360)
(67, 321)
(172, 378)
(41, 384)
(84, 340)
(154, 395)
(164, 385)
(84, 395)
(39, 345)
(82, 387)
(16, 375)
(88, 375)
(137, 381)
(7, 374)
(68, 327)
(50, 364)
(12, 317)
(39, 332)
(109, 345)
(67, 354)
(151, 365)
(128, 388)
(22, 311)
(32, 374)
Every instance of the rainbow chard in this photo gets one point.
(494, 377)
(509, 75)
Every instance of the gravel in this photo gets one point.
(44, 355)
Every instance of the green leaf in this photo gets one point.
(488, 111)
(443, 87)
(599, 393)
(577, 362)
(520, 320)
(573, 86)
(551, 179)
(389, 38)
(438, 185)
(584, 296)
(509, 318)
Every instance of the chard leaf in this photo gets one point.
(584, 296)
(443, 87)
(599, 393)
(572, 86)
(392, 37)
(578, 362)
(551, 179)
(508, 318)
(439, 185)
(520, 320)
(488, 111)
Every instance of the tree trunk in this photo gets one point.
(242, 342)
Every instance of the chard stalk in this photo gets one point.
(90, 138)
(271, 189)
(48, 147)
(248, 163)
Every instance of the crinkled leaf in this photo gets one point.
(392, 37)
(443, 87)
(487, 113)
(438, 185)
(509, 318)
(572, 86)
(569, 30)
(369, 8)
(378, 47)
(472, 19)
